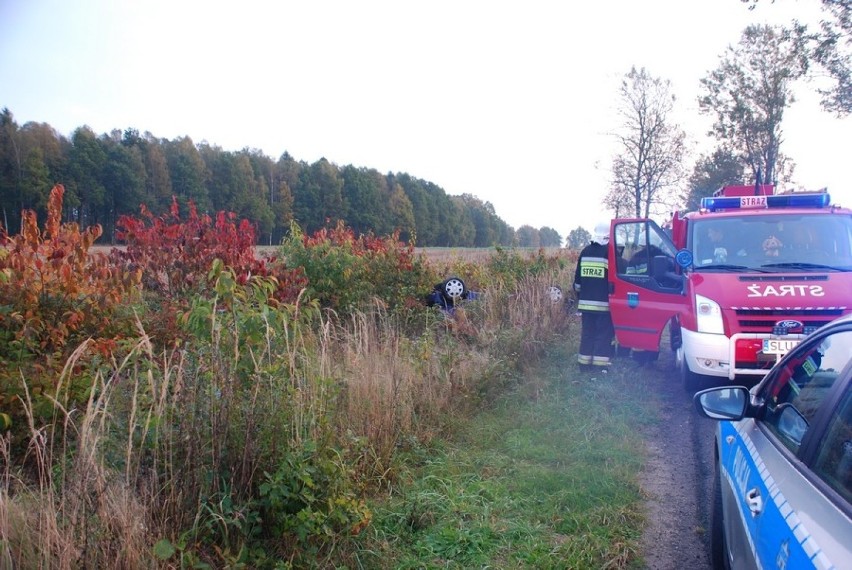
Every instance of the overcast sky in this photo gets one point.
(513, 102)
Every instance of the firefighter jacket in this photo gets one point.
(591, 278)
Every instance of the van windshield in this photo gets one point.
(774, 242)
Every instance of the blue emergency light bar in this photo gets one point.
(816, 200)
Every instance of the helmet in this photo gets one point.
(601, 233)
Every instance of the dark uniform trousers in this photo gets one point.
(596, 339)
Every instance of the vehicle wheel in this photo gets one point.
(718, 547)
(453, 289)
(675, 337)
(689, 379)
(555, 293)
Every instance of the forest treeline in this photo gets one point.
(113, 174)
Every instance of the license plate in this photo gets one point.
(778, 346)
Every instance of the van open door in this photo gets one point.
(647, 288)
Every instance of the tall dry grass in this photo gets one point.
(63, 505)
(164, 464)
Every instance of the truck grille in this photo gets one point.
(763, 320)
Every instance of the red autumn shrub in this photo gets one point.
(53, 291)
(176, 255)
(54, 295)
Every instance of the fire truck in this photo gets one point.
(736, 283)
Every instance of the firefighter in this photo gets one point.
(591, 284)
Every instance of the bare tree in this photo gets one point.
(649, 165)
(748, 94)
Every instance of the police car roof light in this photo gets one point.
(815, 200)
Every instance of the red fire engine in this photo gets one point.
(738, 282)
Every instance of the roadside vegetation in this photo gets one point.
(183, 402)
(546, 477)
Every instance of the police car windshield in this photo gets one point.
(789, 243)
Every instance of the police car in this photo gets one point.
(782, 486)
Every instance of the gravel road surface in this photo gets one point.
(677, 479)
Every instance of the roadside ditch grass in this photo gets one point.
(548, 481)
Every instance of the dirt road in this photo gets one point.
(677, 479)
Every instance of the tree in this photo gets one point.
(365, 196)
(425, 218)
(486, 224)
(158, 182)
(711, 173)
(549, 237)
(123, 179)
(578, 238)
(319, 198)
(188, 173)
(829, 49)
(649, 165)
(87, 160)
(617, 200)
(35, 181)
(748, 94)
(285, 178)
(53, 146)
(401, 213)
(11, 165)
(113, 174)
(457, 225)
(528, 236)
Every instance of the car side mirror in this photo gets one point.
(724, 403)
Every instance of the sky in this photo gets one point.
(513, 102)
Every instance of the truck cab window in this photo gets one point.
(637, 244)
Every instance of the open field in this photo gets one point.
(436, 254)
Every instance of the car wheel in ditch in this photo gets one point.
(555, 293)
(454, 289)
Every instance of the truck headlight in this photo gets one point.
(709, 316)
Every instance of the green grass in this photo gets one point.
(543, 483)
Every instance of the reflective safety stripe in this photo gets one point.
(584, 359)
(593, 268)
(601, 260)
(600, 360)
(585, 305)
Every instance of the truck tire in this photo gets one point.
(689, 379)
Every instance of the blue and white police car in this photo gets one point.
(782, 490)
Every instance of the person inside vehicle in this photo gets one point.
(716, 247)
(713, 249)
(803, 245)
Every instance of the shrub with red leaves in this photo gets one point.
(176, 255)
